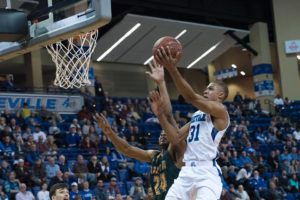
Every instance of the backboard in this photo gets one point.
(50, 21)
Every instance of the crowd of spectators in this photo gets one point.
(259, 155)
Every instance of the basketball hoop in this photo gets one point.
(72, 59)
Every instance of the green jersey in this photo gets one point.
(162, 174)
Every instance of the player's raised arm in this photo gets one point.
(121, 145)
(204, 103)
(157, 74)
(175, 135)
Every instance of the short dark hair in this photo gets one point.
(56, 187)
(223, 86)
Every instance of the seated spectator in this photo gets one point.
(41, 146)
(74, 191)
(283, 181)
(26, 135)
(262, 165)
(51, 146)
(7, 114)
(94, 167)
(273, 161)
(75, 124)
(243, 194)
(63, 165)
(51, 168)
(296, 134)
(84, 113)
(257, 185)
(73, 138)
(58, 178)
(285, 156)
(86, 127)
(68, 178)
(25, 112)
(140, 136)
(5, 169)
(294, 184)
(23, 173)
(15, 129)
(53, 129)
(244, 158)
(104, 143)
(2, 123)
(133, 142)
(234, 160)
(7, 147)
(86, 193)
(238, 99)
(278, 103)
(43, 194)
(32, 154)
(93, 135)
(24, 194)
(133, 116)
(43, 114)
(260, 136)
(137, 190)
(232, 193)
(20, 147)
(100, 192)
(88, 145)
(80, 167)
(274, 192)
(11, 186)
(113, 189)
(2, 193)
(8, 83)
(106, 173)
(244, 174)
(257, 107)
(294, 153)
(38, 133)
(293, 167)
(38, 172)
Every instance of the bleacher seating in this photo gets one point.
(152, 131)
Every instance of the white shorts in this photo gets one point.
(197, 180)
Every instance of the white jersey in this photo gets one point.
(203, 139)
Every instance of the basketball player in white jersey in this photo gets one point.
(200, 178)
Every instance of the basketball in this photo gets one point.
(174, 45)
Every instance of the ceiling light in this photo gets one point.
(242, 73)
(148, 60)
(298, 57)
(234, 66)
(134, 28)
(244, 49)
(204, 54)
(181, 33)
(177, 36)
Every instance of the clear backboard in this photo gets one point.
(50, 21)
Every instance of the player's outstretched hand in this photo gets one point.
(102, 123)
(156, 72)
(156, 103)
(164, 57)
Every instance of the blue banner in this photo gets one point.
(54, 103)
(262, 69)
(263, 80)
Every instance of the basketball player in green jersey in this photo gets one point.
(166, 163)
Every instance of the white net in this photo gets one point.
(72, 59)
